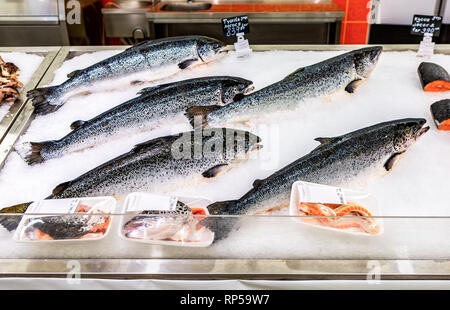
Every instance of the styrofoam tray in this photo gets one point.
(105, 204)
(197, 202)
(361, 198)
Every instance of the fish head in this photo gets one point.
(229, 143)
(209, 49)
(389, 140)
(245, 141)
(365, 60)
(407, 131)
(235, 88)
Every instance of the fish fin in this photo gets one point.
(154, 142)
(214, 171)
(31, 151)
(221, 226)
(392, 160)
(257, 183)
(184, 64)
(139, 44)
(77, 124)
(11, 222)
(294, 73)
(196, 113)
(137, 82)
(60, 188)
(350, 88)
(238, 97)
(147, 90)
(325, 140)
(72, 74)
(39, 98)
(221, 207)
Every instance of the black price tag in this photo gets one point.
(426, 24)
(234, 25)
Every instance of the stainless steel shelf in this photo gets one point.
(202, 269)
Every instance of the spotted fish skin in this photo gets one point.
(335, 161)
(341, 72)
(147, 56)
(154, 105)
(174, 160)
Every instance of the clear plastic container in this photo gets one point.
(323, 202)
(163, 225)
(66, 220)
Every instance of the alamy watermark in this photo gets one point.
(74, 274)
(73, 12)
(230, 144)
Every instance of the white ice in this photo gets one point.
(417, 186)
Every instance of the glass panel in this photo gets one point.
(269, 237)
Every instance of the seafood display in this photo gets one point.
(180, 161)
(160, 58)
(335, 161)
(10, 85)
(154, 106)
(441, 114)
(345, 71)
(433, 77)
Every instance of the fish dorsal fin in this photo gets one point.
(77, 124)
(294, 73)
(61, 187)
(325, 140)
(73, 73)
(139, 44)
(147, 90)
(154, 142)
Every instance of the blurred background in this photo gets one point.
(117, 22)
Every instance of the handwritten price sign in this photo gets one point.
(426, 24)
(234, 25)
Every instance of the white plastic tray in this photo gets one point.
(108, 206)
(361, 198)
(200, 203)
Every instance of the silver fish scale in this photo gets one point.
(332, 163)
(309, 82)
(135, 59)
(141, 112)
(147, 169)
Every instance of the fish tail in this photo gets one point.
(31, 151)
(10, 221)
(41, 99)
(197, 115)
(221, 226)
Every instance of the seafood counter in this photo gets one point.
(178, 149)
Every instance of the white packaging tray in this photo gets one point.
(104, 204)
(360, 198)
(192, 202)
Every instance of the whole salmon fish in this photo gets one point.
(163, 164)
(160, 58)
(345, 71)
(335, 161)
(156, 104)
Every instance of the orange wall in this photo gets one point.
(355, 26)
